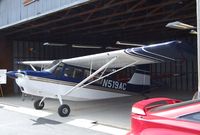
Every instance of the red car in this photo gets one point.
(165, 116)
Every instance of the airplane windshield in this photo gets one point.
(58, 70)
(52, 64)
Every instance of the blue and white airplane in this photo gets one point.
(89, 77)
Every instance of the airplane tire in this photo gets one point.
(37, 106)
(64, 110)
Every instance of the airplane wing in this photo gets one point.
(154, 53)
(36, 63)
(148, 54)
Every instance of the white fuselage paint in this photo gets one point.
(51, 90)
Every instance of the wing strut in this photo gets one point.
(109, 74)
(33, 67)
(92, 75)
(91, 63)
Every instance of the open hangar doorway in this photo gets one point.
(100, 23)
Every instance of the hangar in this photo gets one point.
(92, 26)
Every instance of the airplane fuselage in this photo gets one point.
(65, 77)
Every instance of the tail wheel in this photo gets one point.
(64, 110)
(38, 106)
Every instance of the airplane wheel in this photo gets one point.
(38, 106)
(64, 110)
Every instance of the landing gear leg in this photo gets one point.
(39, 104)
(64, 109)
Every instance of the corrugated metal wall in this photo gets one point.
(179, 75)
(14, 10)
(174, 75)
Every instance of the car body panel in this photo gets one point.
(164, 119)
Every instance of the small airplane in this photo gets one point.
(91, 77)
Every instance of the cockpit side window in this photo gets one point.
(68, 72)
(78, 73)
(124, 75)
(73, 72)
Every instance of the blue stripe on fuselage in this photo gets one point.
(49, 75)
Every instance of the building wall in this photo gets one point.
(6, 63)
(179, 75)
(12, 11)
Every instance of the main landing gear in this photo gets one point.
(63, 110)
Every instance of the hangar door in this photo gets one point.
(172, 75)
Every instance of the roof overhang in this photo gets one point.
(105, 21)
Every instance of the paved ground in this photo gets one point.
(104, 117)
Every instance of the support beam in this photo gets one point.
(181, 9)
(113, 28)
(198, 43)
(103, 18)
(68, 17)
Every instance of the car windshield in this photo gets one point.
(170, 106)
